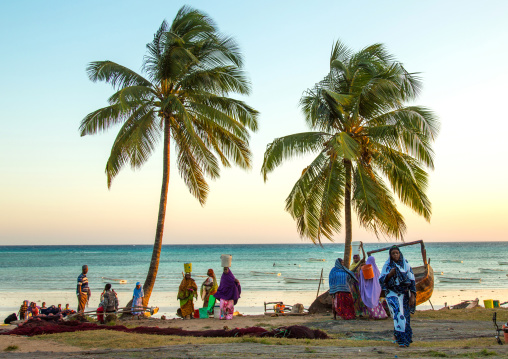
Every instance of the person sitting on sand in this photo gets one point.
(33, 311)
(208, 289)
(370, 290)
(82, 290)
(228, 293)
(43, 306)
(339, 280)
(137, 299)
(398, 282)
(23, 310)
(67, 311)
(187, 291)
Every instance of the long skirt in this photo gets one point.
(227, 308)
(343, 305)
(187, 308)
(401, 314)
(377, 312)
(360, 308)
(138, 302)
(82, 300)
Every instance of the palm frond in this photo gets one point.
(283, 148)
(117, 75)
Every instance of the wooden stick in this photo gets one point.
(319, 286)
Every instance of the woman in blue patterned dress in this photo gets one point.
(398, 282)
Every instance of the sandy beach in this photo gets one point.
(251, 302)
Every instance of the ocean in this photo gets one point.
(56, 268)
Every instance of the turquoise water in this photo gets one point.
(55, 268)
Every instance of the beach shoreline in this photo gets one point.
(250, 303)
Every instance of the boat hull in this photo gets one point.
(425, 286)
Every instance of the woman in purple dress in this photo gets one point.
(228, 293)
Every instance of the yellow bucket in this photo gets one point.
(488, 303)
(187, 267)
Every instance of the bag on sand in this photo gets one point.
(11, 318)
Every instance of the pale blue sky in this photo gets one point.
(52, 183)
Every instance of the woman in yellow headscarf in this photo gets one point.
(209, 288)
(186, 293)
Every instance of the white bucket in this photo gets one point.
(355, 247)
(225, 260)
(216, 312)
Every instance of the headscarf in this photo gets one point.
(401, 281)
(339, 278)
(354, 265)
(370, 289)
(214, 287)
(228, 289)
(138, 293)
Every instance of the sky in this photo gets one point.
(52, 183)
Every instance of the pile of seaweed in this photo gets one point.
(32, 328)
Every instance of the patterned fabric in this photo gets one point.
(227, 308)
(400, 311)
(340, 278)
(377, 312)
(360, 308)
(83, 283)
(186, 293)
(82, 300)
(343, 305)
(398, 289)
(110, 301)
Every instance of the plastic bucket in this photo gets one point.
(495, 303)
(505, 332)
(488, 303)
(203, 313)
(367, 271)
(225, 260)
(355, 247)
(187, 267)
(216, 312)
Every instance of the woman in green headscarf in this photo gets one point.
(209, 288)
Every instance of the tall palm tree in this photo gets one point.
(367, 140)
(191, 69)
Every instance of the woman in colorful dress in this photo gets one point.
(355, 267)
(137, 299)
(339, 280)
(228, 293)
(370, 291)
(398, 282)
(187, 291)
(208, 289)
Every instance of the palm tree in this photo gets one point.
(191, 70)
(367, 140)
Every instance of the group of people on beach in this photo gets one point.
(228, 293)
(109, 298)
(29, 310)
(356, 294)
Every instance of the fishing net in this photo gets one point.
(39, 327)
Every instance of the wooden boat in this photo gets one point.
(256, 273)
(316, 260)
(452, 261)
(302, 280)
(459, 280)
(119, 281)
(424, 275)
(491, 270)
(286, 264)
(503, 263)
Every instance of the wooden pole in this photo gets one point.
(319, 286)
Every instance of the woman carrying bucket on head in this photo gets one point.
(370, 289)
(187, 291)
(229, 290)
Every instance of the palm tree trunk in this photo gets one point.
(154, 263)
(347, 214)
